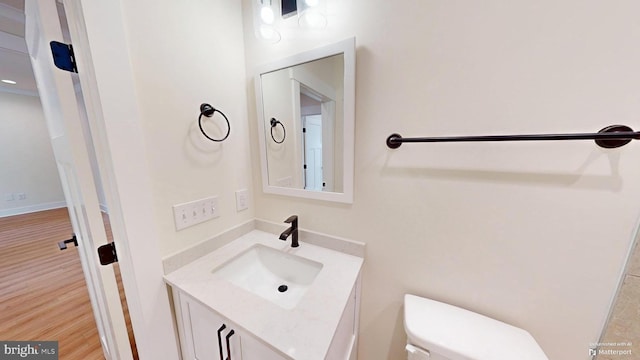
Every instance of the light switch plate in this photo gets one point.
(180, 217)
(195, 212)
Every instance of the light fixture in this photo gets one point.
(264, 21)
(6, 81)
(266, 12)
(269, 34)
(288, 8)
(272, 16)
(312, 19)
(312, 14)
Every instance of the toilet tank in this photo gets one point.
(450, 332)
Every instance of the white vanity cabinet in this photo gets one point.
(204, 335)
(221, 320)
(344, 345)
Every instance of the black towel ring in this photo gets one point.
(275, 122)
(208, 111)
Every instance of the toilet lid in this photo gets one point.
(460, 334)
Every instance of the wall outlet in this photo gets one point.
(242, 200)
(21, 196)
(195, 212)
(9, 197)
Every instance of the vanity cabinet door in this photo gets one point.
(205, 335)
(252, 349)
(345, 340)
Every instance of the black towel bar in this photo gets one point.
(610, 137)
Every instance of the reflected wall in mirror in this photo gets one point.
(306, 119)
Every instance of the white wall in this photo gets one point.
(27, 164)
(534, 234)
(184, 54)
(154, 66)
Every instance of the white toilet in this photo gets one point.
(439, 331)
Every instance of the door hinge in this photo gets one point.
(63, 56)
(305, 166)
(304, 130)
(107, 254)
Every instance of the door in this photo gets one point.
(206, 336)
(65, 126)
(313, 152)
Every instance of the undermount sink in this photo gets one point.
(274, 275)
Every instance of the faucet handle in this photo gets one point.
(292, 219)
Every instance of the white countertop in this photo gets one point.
(304, 332)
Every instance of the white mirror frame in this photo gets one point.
(348, 49)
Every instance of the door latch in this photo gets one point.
(63, 244)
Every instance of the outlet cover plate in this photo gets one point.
(242, 200)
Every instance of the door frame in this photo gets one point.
(67, 134)
(304, 82)
(98, 35)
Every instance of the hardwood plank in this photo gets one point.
(43, 294)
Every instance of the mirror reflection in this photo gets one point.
(303, 122)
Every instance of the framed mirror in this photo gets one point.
(306, 114)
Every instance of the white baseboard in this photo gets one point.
(32, 208)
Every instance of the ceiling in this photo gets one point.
(14, 60)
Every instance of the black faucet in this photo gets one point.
(293, 231)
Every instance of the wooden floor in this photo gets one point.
(43, 294)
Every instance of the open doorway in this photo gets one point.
(317, 115)
(43, 293)
(43, 290)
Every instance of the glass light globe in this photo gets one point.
(312, 19)
(269, 34)
(266, 14)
